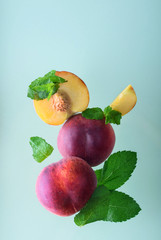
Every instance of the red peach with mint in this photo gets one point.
(91, 140)
(64, 187)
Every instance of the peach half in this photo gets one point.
(125, 101)
(71, 97)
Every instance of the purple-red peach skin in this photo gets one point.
(92, 140)
(64, 187)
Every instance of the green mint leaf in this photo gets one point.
(50, 74)
(93, 113)
(41, 149)
(45, 87)
(96, 208)
(54, 78)
(121, 207)
(46, 90)
(112, 116)
(107, 206)
(117, 169)
(51, 92)
(33, 94)
(98, 173)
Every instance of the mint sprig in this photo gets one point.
(106, 204)
(41, 149)
(117, 170)
(45, 87)
(110, 115)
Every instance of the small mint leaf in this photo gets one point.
(32, 91)
(45, 87)
(54, 78)
(117, 169)
(93, 113)
(44, 91)
(41, 149)
(107, 206)
(112, 116)
(50, 74)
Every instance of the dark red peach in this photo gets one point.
(92, 140)
(64, 187)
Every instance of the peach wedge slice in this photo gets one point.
(125, 101)
(71, 97)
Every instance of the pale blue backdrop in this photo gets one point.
(109, 44)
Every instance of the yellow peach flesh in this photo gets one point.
(125, 101)
(47, 113)
(76, 90)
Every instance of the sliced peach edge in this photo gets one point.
(71, 97)
(125, 101)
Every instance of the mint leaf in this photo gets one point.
(98, 173)
(50, 74)
(117, 169)
(96, 208)
(93, 113)
(41, 149)
(54, 78)
(45, 90)
(107, 206)
(112, 116)
(45, 87)
(121, 207)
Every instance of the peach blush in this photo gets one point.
(64, 187)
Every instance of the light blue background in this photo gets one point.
(109, 44)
